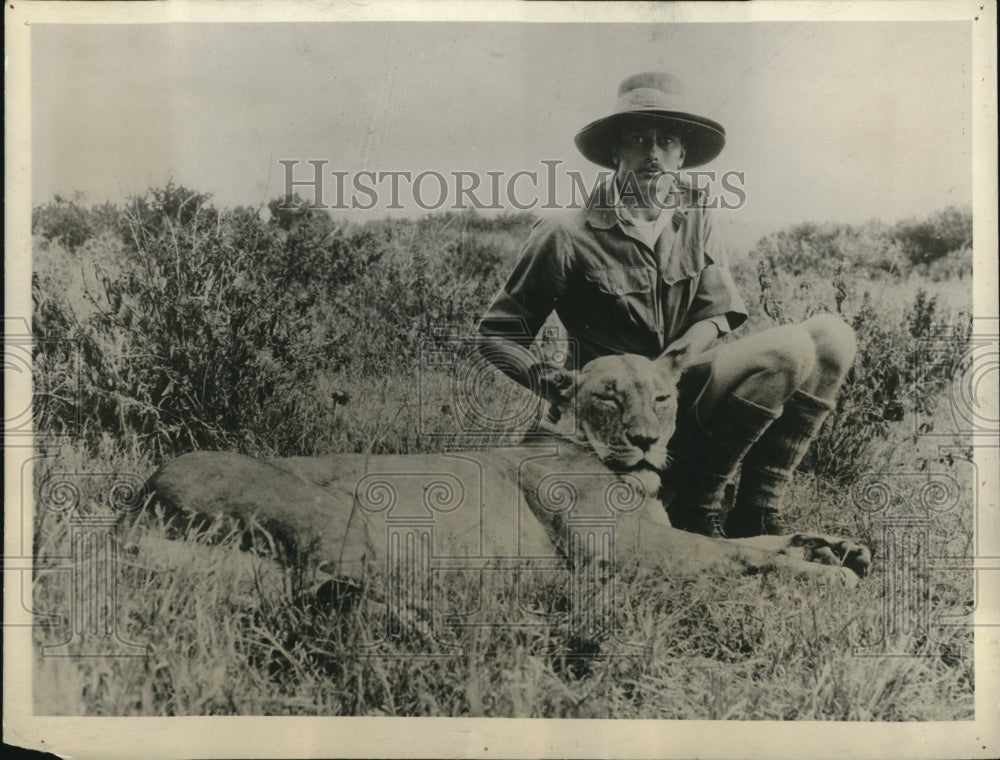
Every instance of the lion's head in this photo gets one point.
(625, 407)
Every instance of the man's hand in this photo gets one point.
(696, 340)
(554, 384)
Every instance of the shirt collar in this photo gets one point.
(600, 210)
(603, 209)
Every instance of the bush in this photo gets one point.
(217, 329)
(70, 224)
(956, 265)
(930, 239)
(811, 248)
(891, 375)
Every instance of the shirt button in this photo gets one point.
(619, 291)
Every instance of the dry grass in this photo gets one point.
(230, 633)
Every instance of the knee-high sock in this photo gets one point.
(703, 462)
(768, 466)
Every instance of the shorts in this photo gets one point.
(691, 387)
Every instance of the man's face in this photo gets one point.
(646, 150)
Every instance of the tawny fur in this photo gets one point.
(507, 505)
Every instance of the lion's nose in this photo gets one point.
(642, 439)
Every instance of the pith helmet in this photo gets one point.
(659, 95)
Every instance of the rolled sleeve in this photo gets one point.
(717, 297)
(534, 287)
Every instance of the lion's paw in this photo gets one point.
(833, 550)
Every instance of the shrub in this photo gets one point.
(886, 380)
(811, 248)
(956, 265)
(205, 331)
(69, 223)
(930, 239)
(217, 329)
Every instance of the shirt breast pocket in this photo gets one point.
(623, 292)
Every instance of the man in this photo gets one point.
(641, 270)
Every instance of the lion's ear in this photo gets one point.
(673, 362)
(562, 396)
(565, 392)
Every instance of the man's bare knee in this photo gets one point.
(791, 356)
(835, 343)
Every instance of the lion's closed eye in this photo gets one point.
(609, 399)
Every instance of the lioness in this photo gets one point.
(587, 489)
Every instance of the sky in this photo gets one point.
(828, 121)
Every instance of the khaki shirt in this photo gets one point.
(613, 293)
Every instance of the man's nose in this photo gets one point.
(654, 151)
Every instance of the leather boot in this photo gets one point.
(703, 462)
(768, 467)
